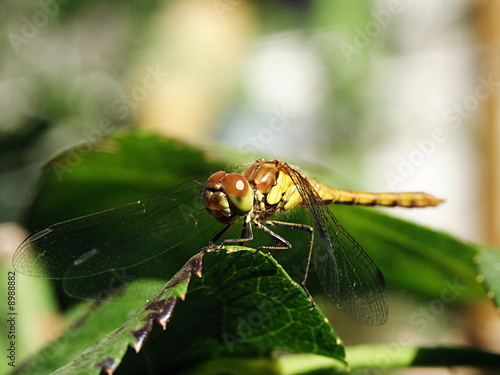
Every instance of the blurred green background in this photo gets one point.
(352, 87)
(389, 95)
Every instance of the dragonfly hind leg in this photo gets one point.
(283, 224)
(247, 235)
(281, 243)
(303, 227)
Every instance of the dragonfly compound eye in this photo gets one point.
(239, 193)
(227, 196)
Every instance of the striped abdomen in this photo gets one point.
(406, 199)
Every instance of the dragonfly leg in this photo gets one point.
(306, 228)
(281, 243)
(209, 248)
(217, 238)
(284, 224)
(309, 296)
(247, 228)
(246, 235)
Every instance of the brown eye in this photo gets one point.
(216, 177)
(239, 193)
(235, 184)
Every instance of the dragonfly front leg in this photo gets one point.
(211, 245)
(221, 233)
(246, 233)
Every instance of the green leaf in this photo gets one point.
(385, 357)
(243, 306)
(129, 166)
(113, 171)
(488, 263)
(413, 257)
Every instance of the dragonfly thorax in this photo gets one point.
(228, 196)
(274, 189)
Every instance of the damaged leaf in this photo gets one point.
(243, 305)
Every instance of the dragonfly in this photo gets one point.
(100, 245)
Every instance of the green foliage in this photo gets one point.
(414, 257)
(244, 314)
(243, 306)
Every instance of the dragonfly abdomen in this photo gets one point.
(405, 199)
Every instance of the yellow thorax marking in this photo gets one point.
(284, 190)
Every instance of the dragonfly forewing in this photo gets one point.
(118, 238)
(347, 274)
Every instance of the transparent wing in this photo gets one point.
(118, 238)
(348, 275)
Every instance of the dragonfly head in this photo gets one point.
(228, 196)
